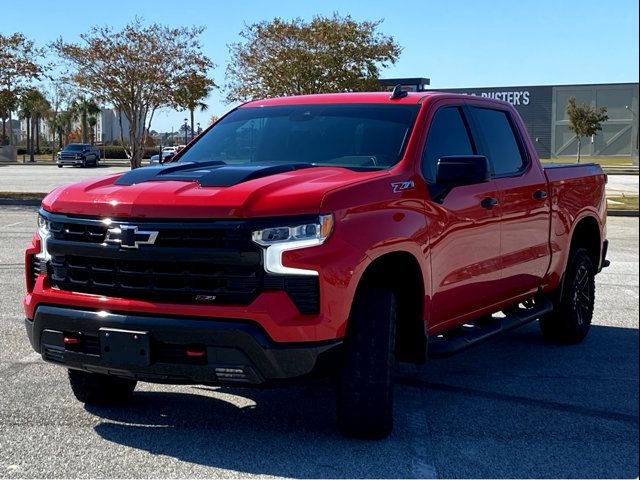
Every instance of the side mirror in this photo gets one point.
(458, 170)
(455, 171)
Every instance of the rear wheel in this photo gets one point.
(573, 309)
(365, 386)
(94, 388)
(59, 166)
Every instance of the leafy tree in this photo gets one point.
(121, 68)
(213, 119)
(585, 120)
(191, 90)
(19, 65)
(334, 54)
(8, 104)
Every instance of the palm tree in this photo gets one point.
(40, 109)
(26, 106)
(83, 109)
(189, 95)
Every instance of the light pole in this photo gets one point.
(186, 130)
(199, 129)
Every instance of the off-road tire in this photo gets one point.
(94, 388)
(365, 383)
(573, 308)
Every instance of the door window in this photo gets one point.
(448, 135)
(504, 150)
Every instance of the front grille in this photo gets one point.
(78, 232)
(190, 262)
(180, 282)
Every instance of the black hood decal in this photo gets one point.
(208, 174)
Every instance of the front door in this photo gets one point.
(464, 228)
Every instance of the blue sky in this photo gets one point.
(455, 43)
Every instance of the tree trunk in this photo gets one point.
(579, 149)
(33, 140)
(28, 123)
(83, 126)
(192, 126)
(10, 129)
(4, 130)
(38, 133)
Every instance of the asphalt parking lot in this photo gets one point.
(513, 407)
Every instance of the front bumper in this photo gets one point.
(69, 161)
(237, 352)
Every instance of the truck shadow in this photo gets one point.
(513, 407)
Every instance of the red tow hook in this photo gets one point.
(196, 352)
(72, 340)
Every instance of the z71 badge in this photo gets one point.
(398, 187)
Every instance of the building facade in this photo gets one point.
(544, 111)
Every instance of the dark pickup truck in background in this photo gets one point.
(78, 155)
(318, 235)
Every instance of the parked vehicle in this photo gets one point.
(316, 235)
(78, 154)
(167, 154)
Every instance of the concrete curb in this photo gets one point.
(623, 213)
(21, 198)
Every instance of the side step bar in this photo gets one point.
(468, 335)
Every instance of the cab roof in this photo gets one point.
(368, 97)
(412, 98)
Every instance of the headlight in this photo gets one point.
(44, 232)
(319, 230)
(281, 239)
(43, 226)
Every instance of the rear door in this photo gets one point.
(523, 199)
(464, 234)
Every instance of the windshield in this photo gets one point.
(356, 136)
(74, 147)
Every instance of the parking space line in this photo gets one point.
(13, 224)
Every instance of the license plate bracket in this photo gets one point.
(125, 347)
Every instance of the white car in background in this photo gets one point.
(167, 154)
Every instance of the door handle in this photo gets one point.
(489, 202)
(540, 195)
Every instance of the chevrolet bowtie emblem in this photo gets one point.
(128, 236)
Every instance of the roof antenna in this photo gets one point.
(398, 93)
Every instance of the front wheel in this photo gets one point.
(365, 386)
(571, 317)
(94, 388)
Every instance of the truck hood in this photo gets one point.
(208, 190)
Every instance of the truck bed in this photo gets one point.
(575, 190)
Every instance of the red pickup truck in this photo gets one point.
(316, 235)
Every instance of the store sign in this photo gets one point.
(514, 97)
